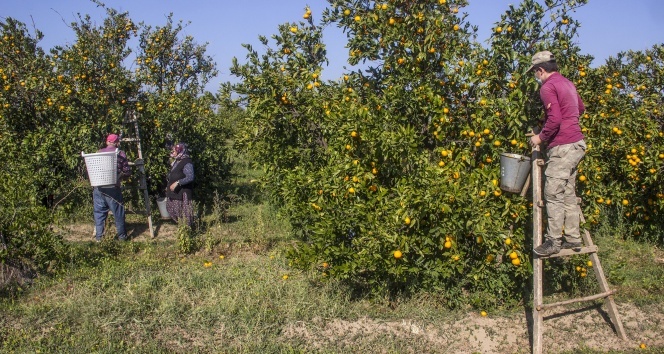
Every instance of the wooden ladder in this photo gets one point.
(538, 305)
(135, 138)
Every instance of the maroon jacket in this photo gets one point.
(563, 107)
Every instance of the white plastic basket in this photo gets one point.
(102, 167)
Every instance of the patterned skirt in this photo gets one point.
(181, 209)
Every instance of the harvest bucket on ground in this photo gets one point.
(514, 170)
(102, 168)
(161, 203)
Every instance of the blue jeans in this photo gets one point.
(105, 199)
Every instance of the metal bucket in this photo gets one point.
(514, 170)
(161, 203)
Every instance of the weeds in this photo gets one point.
(221, 287)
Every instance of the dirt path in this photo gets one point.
(565, 331)
(136, 230)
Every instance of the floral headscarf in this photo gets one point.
(180, 151)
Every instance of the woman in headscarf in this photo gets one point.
(180, 185)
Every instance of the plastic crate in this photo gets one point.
(102, 168)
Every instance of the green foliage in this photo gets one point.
(53, 106)
(185, 237)
(27, 244)
(402, 158)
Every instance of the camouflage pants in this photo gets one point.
(560, 191)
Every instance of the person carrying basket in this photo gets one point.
(107, 198)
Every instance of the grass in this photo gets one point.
(146, 297)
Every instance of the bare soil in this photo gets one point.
(564, 331)
(136, 230)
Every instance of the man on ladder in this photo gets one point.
(566, 148)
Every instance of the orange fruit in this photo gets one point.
(397, 254)
(514, 255)
(516, 262)
(448, 244)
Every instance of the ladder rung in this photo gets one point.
(580, 299)
(130, 139)
(571, 252)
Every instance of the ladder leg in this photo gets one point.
(538, 316)
(146, 200)
(604, 286)
(538, 263)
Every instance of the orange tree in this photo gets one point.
(623, 169)
(173, 105)
(390, 175)
(27, 115)
(53, 106)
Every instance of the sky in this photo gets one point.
(607, 26)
